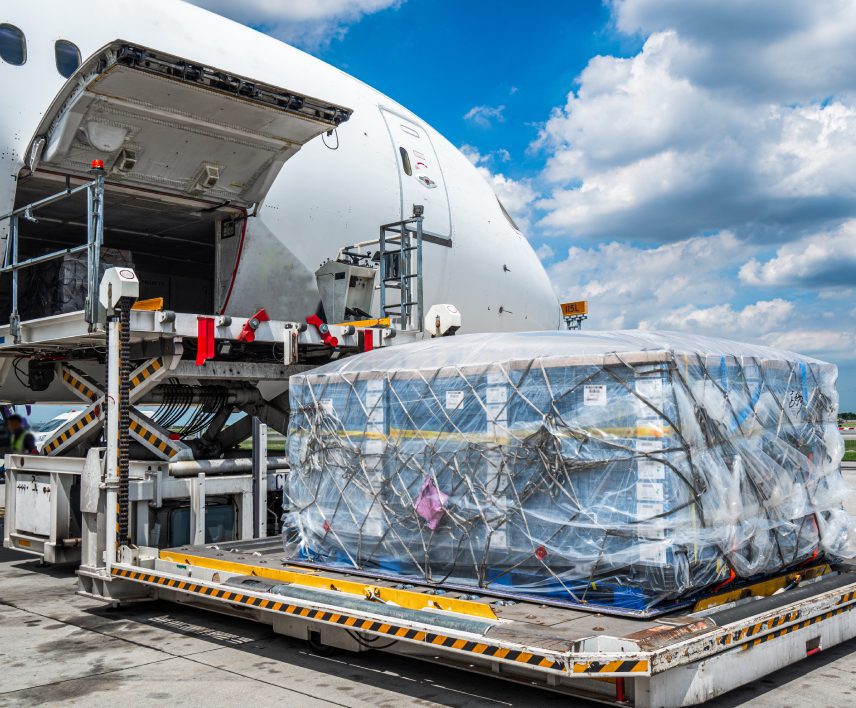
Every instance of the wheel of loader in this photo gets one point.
(318, 647)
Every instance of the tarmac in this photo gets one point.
(59, 648)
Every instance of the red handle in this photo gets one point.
(323, 330)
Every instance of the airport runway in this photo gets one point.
(62, 649)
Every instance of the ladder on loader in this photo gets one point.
(401, 269)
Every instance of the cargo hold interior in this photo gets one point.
(170, 242)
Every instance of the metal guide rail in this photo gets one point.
(94, 190)
(664, 661)
(72, 330)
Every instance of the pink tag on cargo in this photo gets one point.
(429, 503)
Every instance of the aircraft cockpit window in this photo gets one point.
(67, 57)
(405, 161)
(507, 215)
(13, 45)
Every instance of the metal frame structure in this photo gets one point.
(151, 483)
(91, 420)
(53, 537)
(575, 321)
(407, 270)
(95, 238)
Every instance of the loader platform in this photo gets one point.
(681, 658)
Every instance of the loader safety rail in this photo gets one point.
(94, 240)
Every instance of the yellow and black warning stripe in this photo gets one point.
(519, 656)
(752, 630)
(145, 372)
(631, 666)
(157, 441)
(77, 382)
(795, 627)
(790, 617)
(847, 597)
(68, 433)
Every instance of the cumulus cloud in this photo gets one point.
(310, 24)
(679, 139)
(629, 285)
(517, 196)
(776, 50)
(840, 343)
(477, 157)
(824, 260)
(545, 252)
(692, 286)
(485, 116)
(753, 320)
(707, 182)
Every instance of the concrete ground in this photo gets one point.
(59, 648)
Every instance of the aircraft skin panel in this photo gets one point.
(336, 190)
(420, 173)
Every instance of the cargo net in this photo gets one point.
(622, 470)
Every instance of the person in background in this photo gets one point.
(21, 440)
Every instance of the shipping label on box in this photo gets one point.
(647, 446)
(651, 390)
(651, 469)
(454, 400)
(649, 491)
(594, 395)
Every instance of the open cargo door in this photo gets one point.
(175, 127)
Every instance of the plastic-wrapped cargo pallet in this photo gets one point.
(626, 470)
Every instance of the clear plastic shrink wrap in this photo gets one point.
(622, 469)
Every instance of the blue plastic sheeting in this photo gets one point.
(622, 470)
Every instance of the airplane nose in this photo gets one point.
(527, 299)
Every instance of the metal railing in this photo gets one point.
(94, 240)
(401, 269)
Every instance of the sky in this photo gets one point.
(683, 166)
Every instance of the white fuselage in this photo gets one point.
(325, 197)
